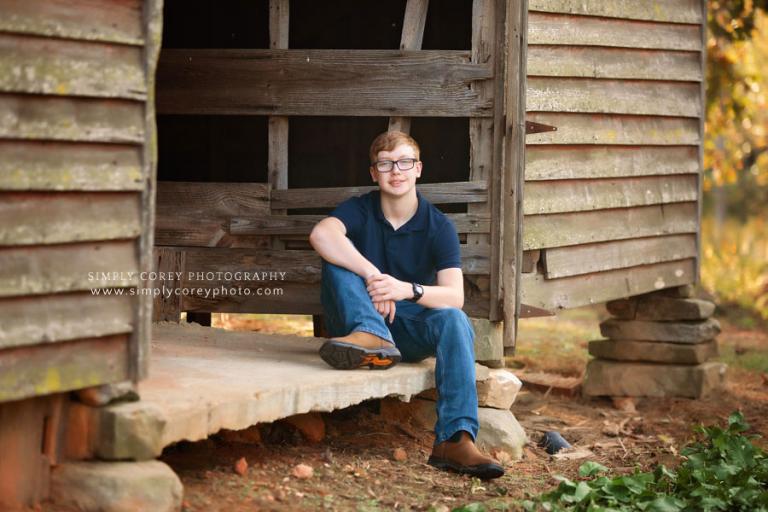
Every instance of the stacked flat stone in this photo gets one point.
(659, 345)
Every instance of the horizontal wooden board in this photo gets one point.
(572, 292)
(561, 29)
(62, 317)
(560, 229)
(637, 97)
(436, 193)
(303, 224)
(34, 371)
(670, 11)
(320, 83)
(626, 63)
(585, 259)
(71, 119)
(199, 214)
(115, 21)
(582, 195)
(65, 268)
(580, 162)
(604, 129)
(52, 66)
(32, 218)
(56, 166)
(302, 299)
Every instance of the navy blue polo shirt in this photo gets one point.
(415, 252)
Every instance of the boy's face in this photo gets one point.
(397, 182)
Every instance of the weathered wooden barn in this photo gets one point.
(260, 114)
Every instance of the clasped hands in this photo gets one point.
(384, 291)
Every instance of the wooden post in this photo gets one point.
(413, 34)
(277, 159)
(167, 305)
(513, 167)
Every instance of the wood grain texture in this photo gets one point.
(71, 119)
(602, 129)
(585, 259)
(617, 63)
(582, 195)
(70, 68)
(544, 162)
(670, 11)
(68, 268)
(560, 29)
(169, 264)
(55, 166)
(41, 370)
(572, 292)
(435, 193)
(62, 317)
(38, 218)
(410, 39)
(112, 21)
(320, 83)
(303, 224)
(560, 229)
(637, 97)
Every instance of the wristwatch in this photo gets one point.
(418, 292)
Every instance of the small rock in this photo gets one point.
(303, 472)
(399, 454)
(499, 390)
(611, 429)
(241, 466)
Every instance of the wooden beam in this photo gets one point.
(436, 193)
(562, 29)
(70, 68)
(572, 292)
(560, 229)
(113, 21)
(616, 63)
(582, 195)
(413, 34)
(320, 83)
(517, 34)
(69, 167)
(277, 144)
(668, 11)
(585, 259)
(615, 129)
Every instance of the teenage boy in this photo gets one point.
(392, 289)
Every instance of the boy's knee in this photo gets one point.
(454, 317)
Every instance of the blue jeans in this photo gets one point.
(418, 333)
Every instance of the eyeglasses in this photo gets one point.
(404, 164)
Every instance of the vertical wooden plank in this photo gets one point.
(169, 264)
(277, 153)
(413, 34)
(514, 167)
(140, 342)
(702, 120)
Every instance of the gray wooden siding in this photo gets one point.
(611, 198)
(74, 181)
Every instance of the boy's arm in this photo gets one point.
(447, 293)
(329, 239)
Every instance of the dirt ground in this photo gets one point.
(355, 468)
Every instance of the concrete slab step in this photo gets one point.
(203, 380)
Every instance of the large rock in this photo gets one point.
(674, 332)
(130, 431)
(499, 390)
(614, 378)
(500, 430)
(116, 486)
(660, 308)
(659, 352)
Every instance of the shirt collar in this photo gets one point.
(416, 223)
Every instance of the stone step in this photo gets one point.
(673, 332)
(660, 308)
(615, 378)
(653, 351)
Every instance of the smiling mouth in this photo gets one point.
(396, 183)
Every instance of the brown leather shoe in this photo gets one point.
(360, 349)
(463, 457)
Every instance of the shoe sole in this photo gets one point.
(481, 471)
(345, 356)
